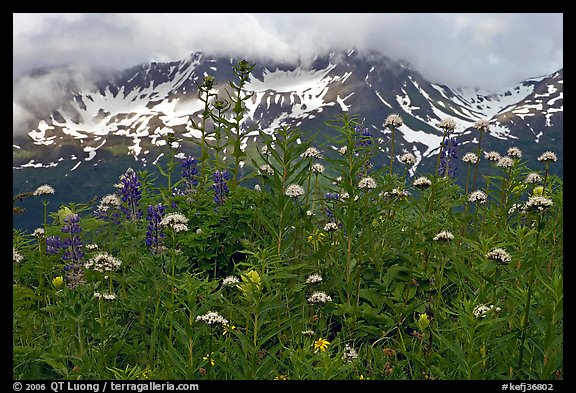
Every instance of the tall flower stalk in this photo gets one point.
(43, 191)
(447, 125)
(547, 158)
(482, 126)
(392, 122)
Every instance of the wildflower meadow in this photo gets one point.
(295, 260)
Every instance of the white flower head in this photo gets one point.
(103, 262)
(211, 318)
(482, 125)
(267, 169)
(318, 168)
(39, 232)
(43, 190)
(547, 156)
(481, 310)
(312, 152)
(294, 191)
(314, 278)
(505, 162)
(343, 150)
(230, 280)
(257, 188)
(367, 183)
(533, 178)
(444, 236)
(393, 120)
(16, 257)
(499, 255)
(349, 354)
(422, 182)
(330, 227)
(408, 159)
(478, 196)
(319, 297)
(447, 124)
(176, 221)
(308, 332)
(470, 158)
(493, 156)
(538, 204)
(514, 152)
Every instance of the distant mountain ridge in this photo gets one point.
(135, 107)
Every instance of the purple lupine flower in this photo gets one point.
(448, 158)
(154, 234)
(363, 137)
(130, 194)
(189, 172)
(220, 187)
(53, 244)
(72, 245)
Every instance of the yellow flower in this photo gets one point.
(316, 238)
(321, 344)
(228, 328)
(211, 358)
(483, 351)
(251, 282)
(280, 377)
(362, 377)
(538, 191)
(58, 281)
(423, 322)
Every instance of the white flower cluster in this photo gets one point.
(313, 278)
(92, 246)
(533, 178)
(499, 255)
(265, 150)
(393, 120)
(514, 152)
(39, 232)
(408, 159)
(212, 317)
(492, 156)
(308, 332)
(444, 236)
(517, 206)
(395, 193)
(478, 196)
(176, 221)
(319, 297)
(43, 190)
(312, 152)
(109, 201)
(538, 203)
(105, 296)
(343, 150)
(547, 156)
(482, 125)
(230, 280)
(422, 182)
(349, 354)
(294, 191)
(331, 227)
(470, 158)
(318, 168)
(448, 124)
(267, 169)
(367, 183)
(16, 257)
(481, 310)
(103, 262)
(505, 162)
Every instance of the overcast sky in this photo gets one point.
(491, 51)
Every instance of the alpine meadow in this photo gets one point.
(297, 258)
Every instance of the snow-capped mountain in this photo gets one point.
(131, 111)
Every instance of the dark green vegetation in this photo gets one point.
(338, 271)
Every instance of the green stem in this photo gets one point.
(478, 163)
(392, 150)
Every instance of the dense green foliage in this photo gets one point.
(341, 270)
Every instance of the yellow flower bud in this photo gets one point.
(538, 191)
(423, 322)
(58, 281)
